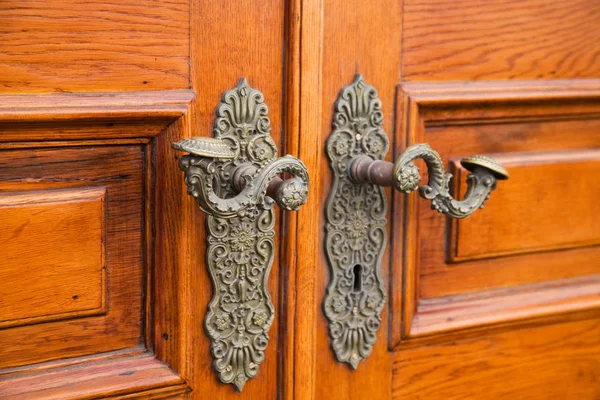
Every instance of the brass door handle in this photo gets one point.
(405, 177)
(243, 182)
(234, 179)
(356, 210)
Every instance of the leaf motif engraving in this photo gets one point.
(355, 227)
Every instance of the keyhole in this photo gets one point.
(357, 278)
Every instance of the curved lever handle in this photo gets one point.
(243, 158)
(405, 176)
(250, 185)
(356, 209)
(234, 179)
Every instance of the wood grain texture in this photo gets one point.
(67, 230)
(358, 37)
(500, 309)
(230, 39)
(516, 118)
(483, 40)
(560, 181)
(97, 83)
(90, 116)
(118, 170)
(302, 113)
(117, 378)
(299, 53)
(557, 361)
(83, 46)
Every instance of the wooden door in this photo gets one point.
(502, 304)
(103, 280)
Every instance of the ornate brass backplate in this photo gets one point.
(355, 226)
(233, 178)
(356, 209)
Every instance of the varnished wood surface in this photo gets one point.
(90, 116)
(117, 170)
(560, 181)
(469, 40)
(358, 37)
(67, 230)
(118, 377)
(76, 106)
(514, 121)
(445, 318)
(302, 113)
(229, 40)
(556, 361)
(98, 46)
(300, 54)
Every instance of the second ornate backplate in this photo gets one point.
(355, 226)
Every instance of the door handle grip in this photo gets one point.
(249, 184)
(356, 209)
(405, 176)
(234, 179)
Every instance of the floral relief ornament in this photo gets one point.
(242, 236)
(240, 226)
(409, 178)
(375, 144)
(292, 194)
(342, 146)
(263, 151)
(358, 224)
(355, 227)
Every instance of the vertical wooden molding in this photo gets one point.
(302, 116)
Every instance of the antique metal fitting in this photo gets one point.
(405, 177)
(234, 179)
(356, 210)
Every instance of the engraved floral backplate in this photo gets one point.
(355, 226)
(240, 249)
(240, 228)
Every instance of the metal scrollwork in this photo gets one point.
(356, 209)
(233, 178)
(355, 226)
(482, 180)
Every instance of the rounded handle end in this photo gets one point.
(290, 194)
(471, 163)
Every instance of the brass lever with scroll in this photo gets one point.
(356, 213)
(405, 177)
(234, 179)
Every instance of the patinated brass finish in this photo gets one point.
(233, 178)
(356, 209)
(405, 177)
(355, 226)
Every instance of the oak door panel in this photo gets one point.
(532, 252)
(101, 46)
(555, 361)
(550, 206)
(47, 237)
(73, 263)
(497, 39)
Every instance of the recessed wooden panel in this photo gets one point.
(52, 252)
(528, 254)
(495, 39)
(553, 184)
(57, 174)
(75, 46)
